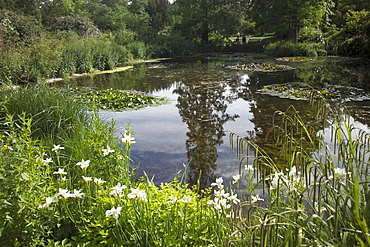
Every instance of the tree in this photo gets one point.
(159, 12)
(285, 18)
(197, 19)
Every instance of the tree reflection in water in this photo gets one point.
(202, 106)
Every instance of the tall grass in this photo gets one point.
(322, 198)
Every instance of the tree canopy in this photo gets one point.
(343, 25)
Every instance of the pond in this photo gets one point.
(208, 100)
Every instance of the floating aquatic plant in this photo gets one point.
(262, 67)
(303, 91)
(117, 100)
(294, 59)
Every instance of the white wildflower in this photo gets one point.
(60, 172)
(218, 183)
(99, 181)
(64, 193)
(249, 168)
(186, 199)
(236, 178)
(128, 139)
(234, 199)
(56, 148)
(340, 172)
(137, 193)
(83, 164)
(221, 193)
(87, 179)
(115, 212)
(172, 200)
(107, 151)
(256, 199)
(219, 203)
(118, 190)
(46, 161)
(78, 193)
(49, 201)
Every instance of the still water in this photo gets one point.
(207, 101)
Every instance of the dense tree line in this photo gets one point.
(147, 28)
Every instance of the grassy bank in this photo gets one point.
(66, 180)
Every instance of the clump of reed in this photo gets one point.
(320, 197)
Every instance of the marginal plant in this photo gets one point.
(321, 197)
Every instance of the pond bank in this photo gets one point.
(117, 69)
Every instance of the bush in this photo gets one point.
(286, 49)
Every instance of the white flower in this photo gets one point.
(83, 164)
(118, 190)
(293, 172)
(275, 180)
(99, 181)
(49, 201)
(63, 179)
(46, 161)
(221, 193)
(86, 179)
(249, 168)
(186, 199)
(60, 172)
(234, 199)
(107, 151)
(218, 183)
(236, 178)
(340, 172)
(78, 193)
(128, 139)
(64, 193)
(172, 200)
(219, 203)
(56, 148)
(256, 199)
(115, 212)
(137, 193)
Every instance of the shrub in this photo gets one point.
(282, 49)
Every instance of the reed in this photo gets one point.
(321, 196)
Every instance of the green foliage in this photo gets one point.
(353, 38)
(18, 28)
(54, 113)
(159, 12)
(79, 190)
(117, 100)
(78, 24)
(198, 19)
(283, 49)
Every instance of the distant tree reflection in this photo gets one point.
(202, 106)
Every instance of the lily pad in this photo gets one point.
(303, 91)
(261, 67)
(117, 100)
(294, 59)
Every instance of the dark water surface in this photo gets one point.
(207, 101)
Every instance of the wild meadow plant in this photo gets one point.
(77, 188)
(322, 197)
(50, 199)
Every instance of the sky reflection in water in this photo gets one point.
(207, 101)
